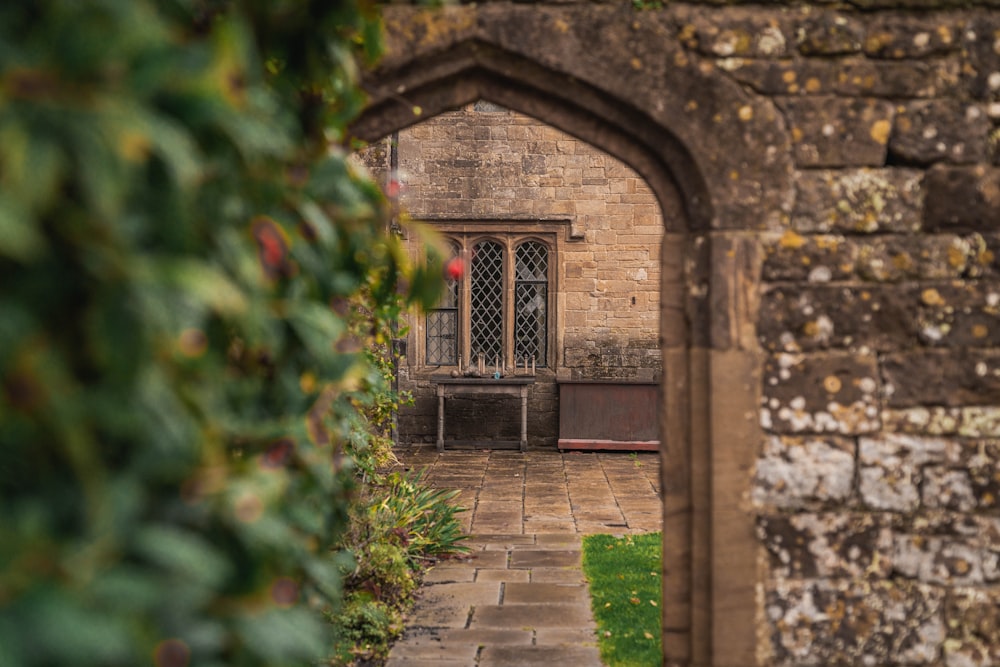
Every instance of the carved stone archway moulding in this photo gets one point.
(618, 80)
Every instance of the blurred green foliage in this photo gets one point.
(183, 380)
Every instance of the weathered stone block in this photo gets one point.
(827, 393)
(742, 32)
(984, 474)
(909, 36)
(820, 258)
(783, 77)
(889, 474)
(983, 55)
(972, 618)
(957, 313)
(849, 77)
(831, 33)
(929, 257)
(978, 421)
(805, 318)
(922, 420)
(942, 378)
(805, 546)
(926, 131)
(838, 132)
(891, 79)
(944, 488)
(941, 560)
(962, 198)
(852, 622)
(858, 200)
(804, 472)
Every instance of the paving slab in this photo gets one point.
(540, 656)
(532, 616)
(519, 598)
(543, 593)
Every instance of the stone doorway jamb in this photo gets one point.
(689, 131)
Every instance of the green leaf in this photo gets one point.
(183, 553)
(284, 636)
(318, 328)
(19, 238)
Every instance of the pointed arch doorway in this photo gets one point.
(714, 161)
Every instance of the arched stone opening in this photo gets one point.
(710, 271)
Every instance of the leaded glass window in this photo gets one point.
(442, 324)
(497, 306)
(531, 302)
(486, 293)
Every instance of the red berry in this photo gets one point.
(454, 268)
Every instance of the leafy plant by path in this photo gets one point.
(626, 596)
(186, 402)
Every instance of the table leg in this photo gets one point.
(524, 418)
(440, 442)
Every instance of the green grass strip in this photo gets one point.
(626, 596)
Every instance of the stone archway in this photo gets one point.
(615, 79)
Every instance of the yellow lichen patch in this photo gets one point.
(745, 113)
(691, 105)
(811, 328)
(813, 85)
(956, 258)
(832, 384)
(902, 261)
(880, 131)
(796, 134)
(944, 32)
(788, 76)
(734, 175)
(979, 331)
(827, 242)
(877, 40)
(931, 297)
(791, 240)
(680, 59)
(561, 26)
(636, 63)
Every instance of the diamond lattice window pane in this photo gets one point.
(486, 296)
(531, 302)
(442, 337)
(441, 325)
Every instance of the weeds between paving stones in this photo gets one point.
(625, 594)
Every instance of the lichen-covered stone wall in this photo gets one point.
(875, 487)
(841, 268)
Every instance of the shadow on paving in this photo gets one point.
(520, 598)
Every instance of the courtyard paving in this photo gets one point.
(520, 598)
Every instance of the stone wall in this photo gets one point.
(845, 279)
(875, 486)
(486, 168)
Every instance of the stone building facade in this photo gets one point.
(829, 296)
(485, 173)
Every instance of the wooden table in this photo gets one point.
(512, 385)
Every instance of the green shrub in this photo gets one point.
(182, 386)
(366, 628)
(397, 527)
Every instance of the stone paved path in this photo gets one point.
(520, 598)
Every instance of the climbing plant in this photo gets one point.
(181, 248)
